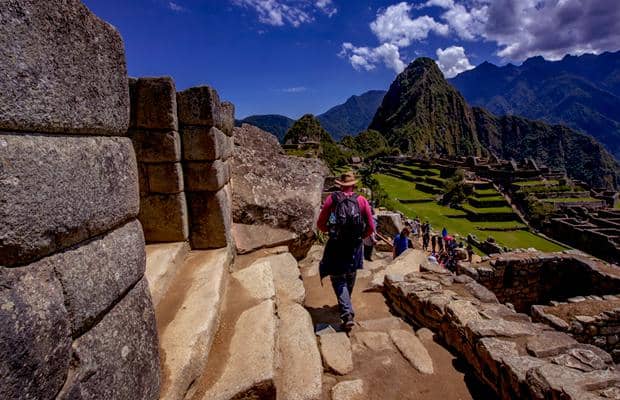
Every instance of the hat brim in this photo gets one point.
(340, 183)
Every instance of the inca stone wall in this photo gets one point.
(154, 131)
(76, 318)
(206, 126)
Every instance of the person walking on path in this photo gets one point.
(402, 242)
(347, 218)
(426, 234)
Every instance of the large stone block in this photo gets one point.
(153, 146)
(206, 176)
(201, 106)
(35, 336)
(205, 144)
(164, 217)
(164, 177)
(95, 274)
(210, 218)
(58, 191)
(119, 358)
(63, 70)
(154, 104)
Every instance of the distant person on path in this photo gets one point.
(416, 227)
(444, 233)
(402, 242)
(434, 243)
(426, 234)
(470, 252)
(347, 217)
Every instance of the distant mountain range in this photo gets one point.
(580, 92)
(349, 118)
(423, 113)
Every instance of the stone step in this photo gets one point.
(163, 261)
(248, 369)
(188, 318)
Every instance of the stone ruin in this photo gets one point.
(482, 314)
(76, 314)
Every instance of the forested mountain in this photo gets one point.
(353, 116)
(581, 92)
(422, 113)
(272, 123)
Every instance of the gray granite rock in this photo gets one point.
(63, 70)
(202, 143)
(156, 146)
(119, 358)
(210, 219)
(164, 217)
(58, 191)
(154, 104)
(206, 176)
(201, 106)
(164, 178)
(273, 189)
(35, 335)
(94, 275)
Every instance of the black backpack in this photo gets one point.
(349, 224)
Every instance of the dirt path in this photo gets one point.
(386, 374)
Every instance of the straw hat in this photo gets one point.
(347, 179)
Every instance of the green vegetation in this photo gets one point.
(568, 200)
(368, 144)
(309, 130)
(550, 182)
(454, 220)
(486, 192)
(487, 210)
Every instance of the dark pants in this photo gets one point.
(425, 239)
(343, 287)
(368, 252)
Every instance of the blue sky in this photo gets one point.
(294, 57)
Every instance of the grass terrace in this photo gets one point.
(456, 221)
(569, 200)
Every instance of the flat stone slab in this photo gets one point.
(381, 324)
(163, 261)
(549, 344)
(375, 341)
(63, 69)
(406, 263)
(301, 372)
(413, 350)
(249, 238)
(425, 334)
(286, 277)
(78, 188)
(336, 352)
(250, 368)
(348, 390)
(186, 339)
(257, 280)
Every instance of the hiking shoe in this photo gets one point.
(348, 323)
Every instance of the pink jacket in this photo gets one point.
(364, 209)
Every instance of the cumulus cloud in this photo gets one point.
(366, 58)
(525, 28)
(452, 61)
(288, 12)
(395, 25)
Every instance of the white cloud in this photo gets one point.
(327, 7)
(452, 61)
(395, 25)
(366, 58)
(288, 12)
(176, 7)
(295, 89)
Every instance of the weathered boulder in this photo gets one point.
(77, 188)
(63, 70)
(413, 350)
(375, 341)
(273, 189)
(249, 238)
(35, 332)
(336, 352)
(348, 390)
(118, 358)
(301, 370)
(389, 223)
